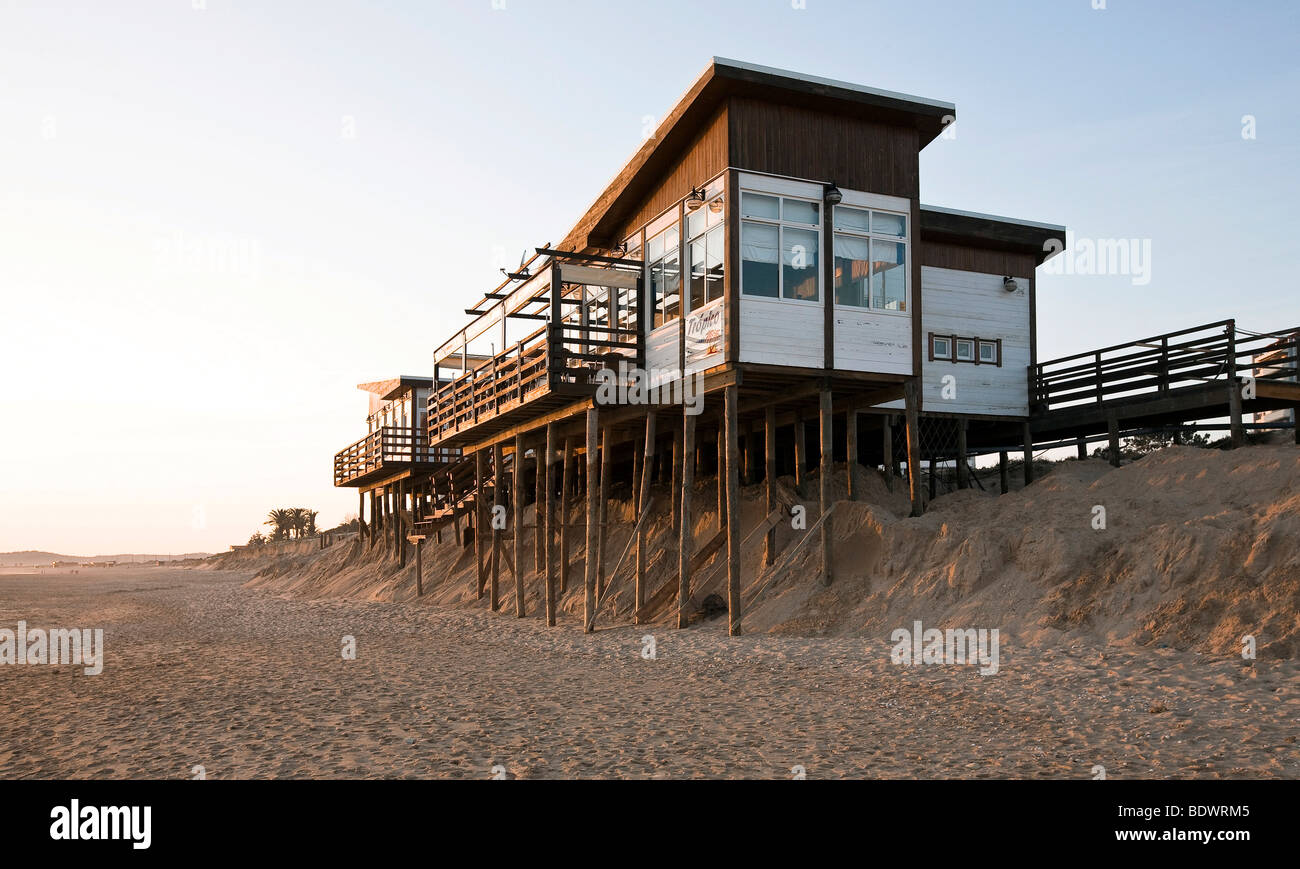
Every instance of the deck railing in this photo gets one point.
(1163, 363)
(384, 448)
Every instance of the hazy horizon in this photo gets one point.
(215, 222)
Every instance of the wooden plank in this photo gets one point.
(734, 605)
(593, 519)
(686, 540)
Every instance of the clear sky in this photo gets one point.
(215, 222)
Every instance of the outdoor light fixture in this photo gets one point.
(696, 200)
(1009, 284)
(833, 194)
(619, 249)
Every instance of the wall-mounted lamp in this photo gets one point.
(619, 249)
(833, 195)
(1009, 284)
(695, 201)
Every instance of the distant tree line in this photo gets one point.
(288, 523)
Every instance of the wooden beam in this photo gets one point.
(769, 486)
(686, 540)
(963, 470)
(1237, 430)
(1028, 437)
(647, 469)
(480, 546)
(1004, 473)
(678, 463)
(734, 605)
(539, 502)
(606, 472)
(826, 417)
(517, 496)
(911, 397)
(593, 519)
(1112, 430)
(549, 531)
(887, 449)
(800, 451)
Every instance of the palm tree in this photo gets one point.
(281, 521)
(309, 522)
(257, 539)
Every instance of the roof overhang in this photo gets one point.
(1009, 234)
(722, 79)
(395, 386)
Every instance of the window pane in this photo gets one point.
(757, 205)
(672, 238)
(695, 222)
(798, 211)
(852, 218)
(799, 264)
(713, 252)
(852, 270)
(888, 224)
(715, 211)
(698, 293)
(758, 254)
(888, 286)
(657, 293)
(988, 352)
(965, 349)
(654, 247)
(672, 288)
(941, 349)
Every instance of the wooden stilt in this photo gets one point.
(361, 514)
(911, 401)
(539, 506)
(647, 467)
(1112, 430)
(747, 466)
(1236, 429)
(734, 605)
(638, 451)
(374, 519)
(480, 545)
(1004, 472)
(517, 523)
(887, 450)
(678, 462)
(566, 508)
(593, 521)
(498, 505)
(606, 473)
(722, 471)
(769, 486)
(1081, 446)
(419, 568)
(851, 449)
(686, 539)
(1029, 453)
(963, 470)
(825, 421)
(934, 478)
(549, 531)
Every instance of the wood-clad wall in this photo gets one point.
(945, 255)
(703, 160)
(856, 154)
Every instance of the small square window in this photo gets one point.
(989, 352)
(965, 350)
(942, 348)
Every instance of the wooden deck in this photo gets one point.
(387, 454)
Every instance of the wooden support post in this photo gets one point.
(539, 507)
(403, 493)
(824, 495)
(1237, 430)
(566, 507)
(419, 568)
(747, 472)
(480, 546)
(593, 520)
(686, 539)
(769, 450)
(361, 513)
(800, 451)
(374, 520)
(678, 463)
(638, 451)
(934, 478)
(606, 475)
(549, 531)
(911, 399)
(1112, 429)
(887, 450)
(647, 469)
(1004, 474)
(851, 449)
(963, 470)
(498, 506)
(517, 523)
(734, 605)
(1029, 453)
(1081, 446)
(722, 471)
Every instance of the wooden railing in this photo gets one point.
(385, 447)
(1160, 364)
(571, 353)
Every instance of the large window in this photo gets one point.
(664, 264)
(870, 258)
(704, 230)
(779, 245)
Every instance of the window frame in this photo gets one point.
(870, 235)
(975, 342)
(781, 224)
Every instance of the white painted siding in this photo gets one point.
(663, 353)
(782, 332)
(971, 304)
(867, 340)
